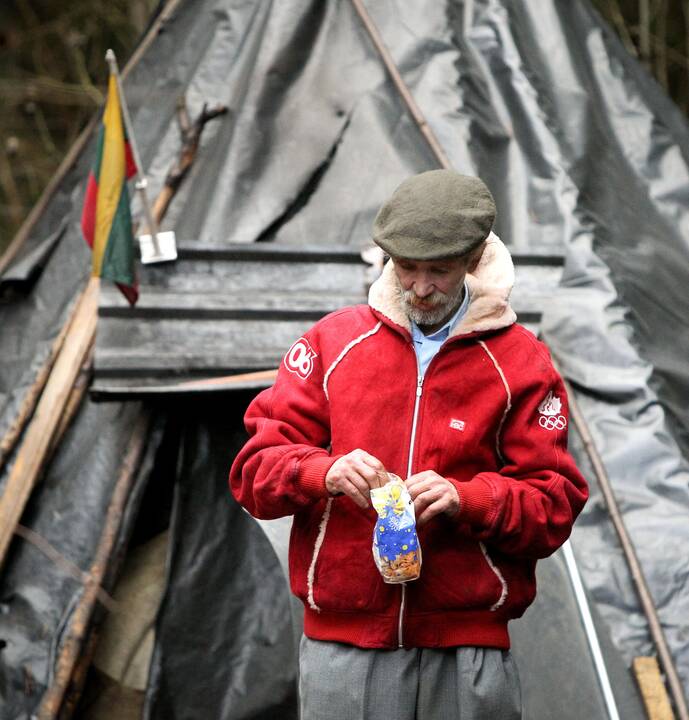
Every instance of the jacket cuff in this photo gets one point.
(312, 472)
(476, 501)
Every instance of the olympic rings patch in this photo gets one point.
(299, 358)
(552, 422)
(550, 408)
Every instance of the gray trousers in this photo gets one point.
(341, 682)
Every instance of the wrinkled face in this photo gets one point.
(430, 290)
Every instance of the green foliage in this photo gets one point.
(52, 79)
(657, 33)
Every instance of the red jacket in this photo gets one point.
(491, 416)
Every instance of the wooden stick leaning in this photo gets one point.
(28, 405)
(38, 437)
(81, 618)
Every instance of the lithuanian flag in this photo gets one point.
(106, 220)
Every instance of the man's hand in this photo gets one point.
(432, 495)
(354, 475)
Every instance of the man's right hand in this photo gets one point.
(354, 475)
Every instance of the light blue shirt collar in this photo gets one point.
(443, 333)
(426, 346)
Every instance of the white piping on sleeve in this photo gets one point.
(346, 349)
(508, 405)
(316, 549)
(498, 575)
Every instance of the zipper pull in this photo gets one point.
(419, 386)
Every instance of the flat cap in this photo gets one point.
(434, 215)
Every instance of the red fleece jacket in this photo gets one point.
(491, 417)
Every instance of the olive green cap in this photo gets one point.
(434, 215)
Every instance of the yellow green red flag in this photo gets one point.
(106, 218)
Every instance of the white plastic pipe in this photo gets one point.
(591, 634)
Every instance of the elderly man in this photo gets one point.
(435, 382)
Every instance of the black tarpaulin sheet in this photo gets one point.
(38, 596)
(225, 641)
(587, 327)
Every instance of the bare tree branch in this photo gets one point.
(618, 20)
(661, 48)
(645, 31)
(685, 12)
(9, 189)
(46, 89)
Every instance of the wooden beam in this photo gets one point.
(39, 434)
(652, 688)
(28, 405)
(231, 305)
(229, 380)
(76, 633)
(340, 254)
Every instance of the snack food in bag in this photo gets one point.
(396, 549)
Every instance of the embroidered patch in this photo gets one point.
(550, 417)
(457, 424)
(299, 358)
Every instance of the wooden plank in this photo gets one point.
(282, 252)
(11, 437)
(103, 391)
(270, 252)
(207, 299)
(166, 366)
(224, 306)
(217, 318)
(179, 346)
(184, 339)
(209, 276)
(267, 376)
(652, 688)
(44, 424)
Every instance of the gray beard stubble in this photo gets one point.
(445, 304)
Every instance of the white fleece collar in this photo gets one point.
(489, 285)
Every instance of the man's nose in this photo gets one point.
(422, 287)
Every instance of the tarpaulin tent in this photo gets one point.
(588, 162)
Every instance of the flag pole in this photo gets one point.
(156, 252)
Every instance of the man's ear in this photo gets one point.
(475, 256)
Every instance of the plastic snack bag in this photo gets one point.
(396, 549)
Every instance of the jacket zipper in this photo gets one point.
(417, 402)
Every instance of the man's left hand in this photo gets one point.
(432, 495)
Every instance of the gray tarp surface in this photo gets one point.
(37, 595)
(581, 149)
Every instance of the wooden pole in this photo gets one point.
(228, 380)
(9, 440)
(81, 617)
(401, 86)
(41, 430)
